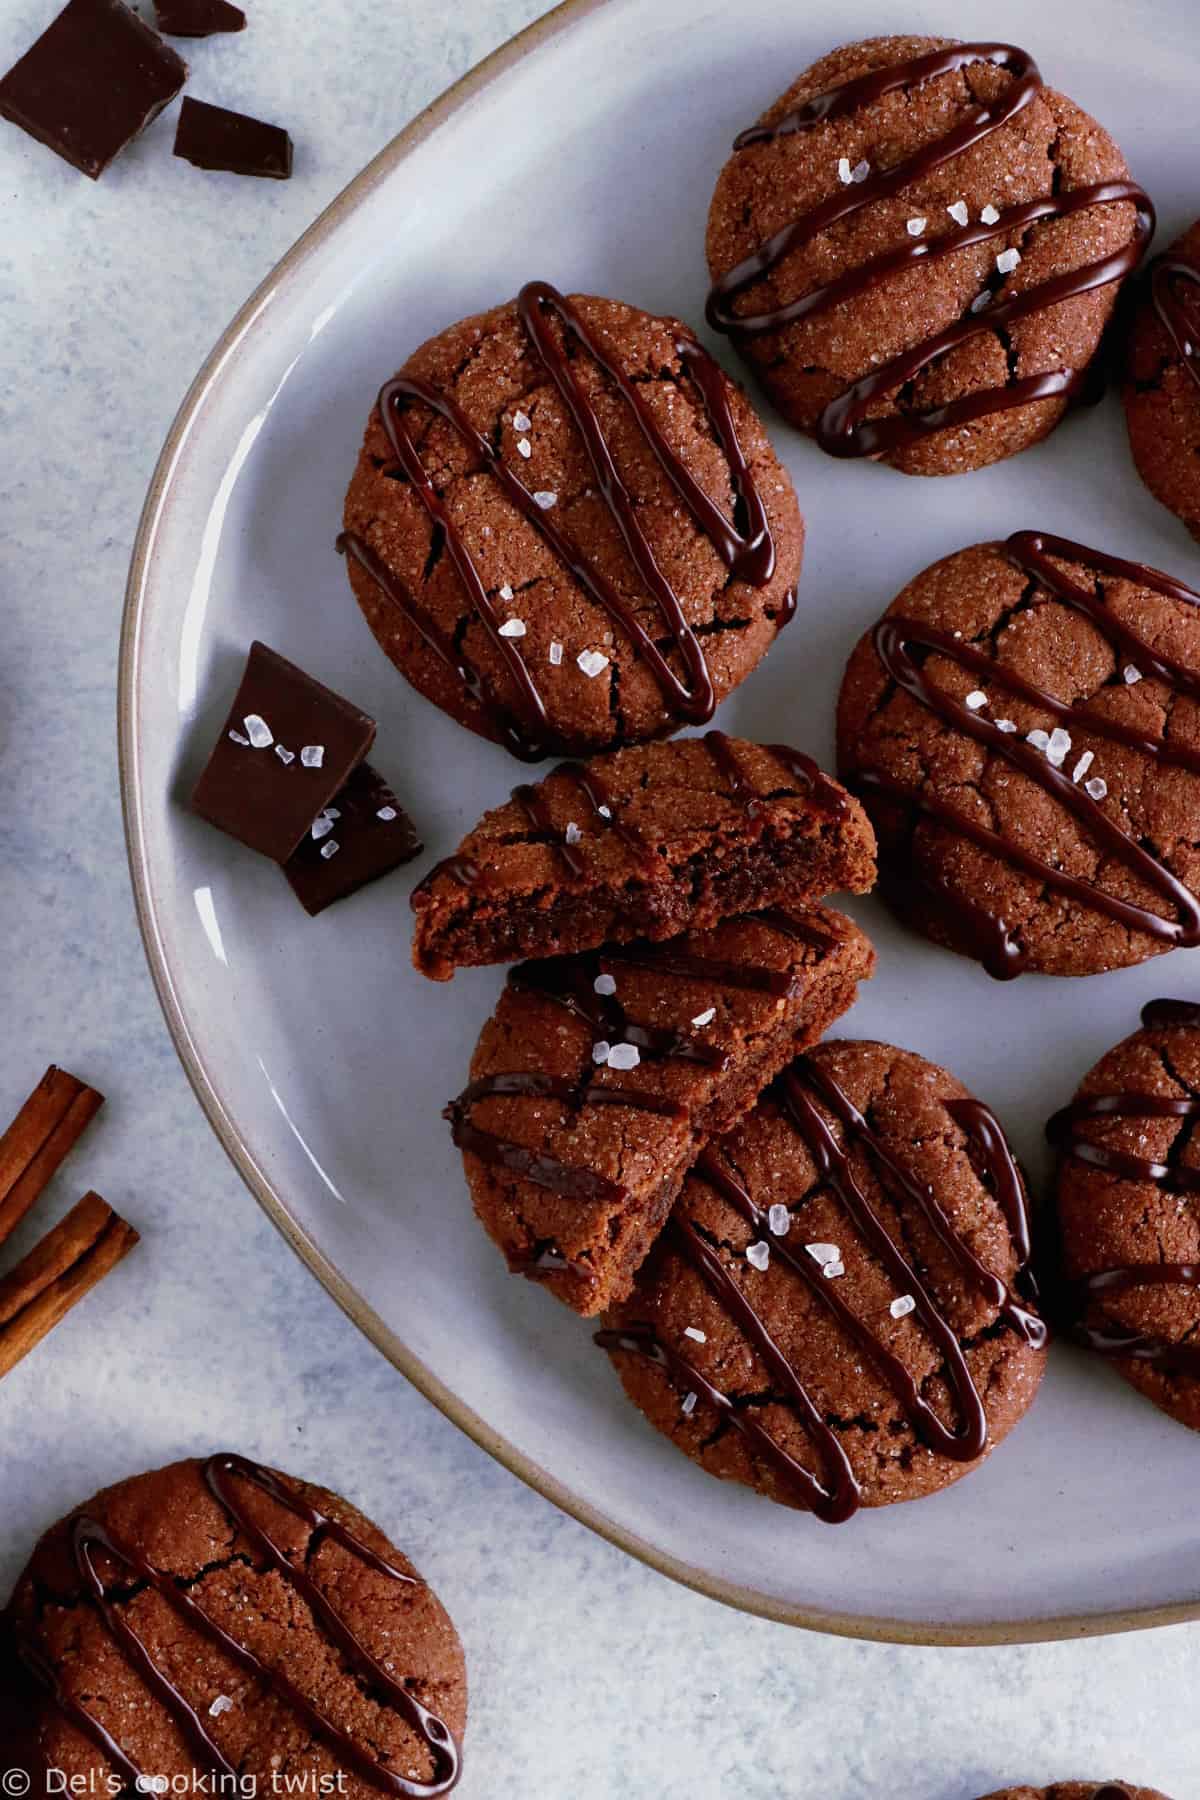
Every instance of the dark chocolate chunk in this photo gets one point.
(197, 18)
(287, 748)
(364, 834)
(93, 80)
(214, 138)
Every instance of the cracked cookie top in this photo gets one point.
(567, 527)
(1127, 1188)
(837, 1314)
(918, 248)
(218, 1616)
(1023, 726)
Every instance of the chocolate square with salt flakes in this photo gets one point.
(92, 81)
(287, 748)
(363, 834)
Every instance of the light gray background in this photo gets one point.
(591, 1677)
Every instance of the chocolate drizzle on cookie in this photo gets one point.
(745, 547)
(1175, 295)
(221, 1473)
(1064, 1133)
(804, 1094)
(844, 429)
(987, 935)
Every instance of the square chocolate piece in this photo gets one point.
(94, 79)
(364, 834)
(211, 137)
(197, 18)
(287, 748)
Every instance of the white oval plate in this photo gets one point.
(585, 152)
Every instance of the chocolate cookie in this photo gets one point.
(836, 1314)
(918, 249)
(219, 1617)
(567, 527)
(1127, 1182)
(1023, 727)
(1162, 380)
(1080, 1790)
(645, 844)
(599, 1077)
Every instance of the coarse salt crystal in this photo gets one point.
(525, 448)
(330, 849)
(844, 171)
(981, 301)
(778, 1219)
(1096, 787)
(697, 1337)
(860, 171)
(321, 828)
(605, 812)
(285, 756)
(522, 422)
(1131, 674)
(1007, 261)
(916, 226)
(592, 662)
(1039, 739)
(513, 628)
(1005, 725)
(238, 737)
(706, 1017)
(823, 1253)
(689, 1405)
(258, 731)
(312, 755)
(572, 834)
(758, 1255)
(989, 215)
(1057, 748)
(222, 1704)
(624, 1056)
(545, 498)
(386, 813)
(901, 1308)
(506, 592)
(976, 699)
(556, 653)
(833, 1269)
(958, 212)
(604, 984)
(600, 1051)
(1083, 765)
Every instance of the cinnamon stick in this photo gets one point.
(51, 1121)
(57, 1273)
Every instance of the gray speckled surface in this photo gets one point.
(590, 1675)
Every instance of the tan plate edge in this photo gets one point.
(563, 17)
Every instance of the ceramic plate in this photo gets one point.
(586, 152)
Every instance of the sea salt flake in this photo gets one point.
(624, 1056)
(958, 212)
(1005, 725)
(706, 1017)
(1083, 765)
(556, 653)
(236, 737)
(513, 628)
(525, 448)
(697, 1337)
(832, 1270)
(600, 1051)
(320, 828)
(1131, 674)
(689, 1405)
(386, 813)
(860, 171)
(330, 812)
(545, 498)
(778, 1220)
(285, 756)
(1007, 261)
(605, 812)
(916, 226)
(522, 422)
(989, 215)
(823, 1253)
(758, 1255)
(592, 662)
(901, 1308)
(976, 699)
(982, 301)
(572, 834)
(312, 755)
(1039, 739)
(1057, 748)
(258, 731)
(222, 1704)
(506, 592)
(844, 174)
(330, 849)
(604, 984)
(1096, 787)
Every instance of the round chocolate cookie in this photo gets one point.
(1128, 1183)
(1023, 727)
(218, 1617)
(834, 1314)
(918, 249)
(567, 527)
(1162, 380)
(1080, 1790)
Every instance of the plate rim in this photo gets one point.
(563, 17)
